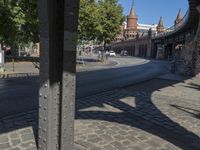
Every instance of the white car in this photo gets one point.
(112, 54)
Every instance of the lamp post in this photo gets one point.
(1, 61)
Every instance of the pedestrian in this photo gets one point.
(107, 54)
(99, 55)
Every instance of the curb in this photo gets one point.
(13, 116)
(18, 75)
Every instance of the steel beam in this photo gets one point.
(58, 22)
(197, 36)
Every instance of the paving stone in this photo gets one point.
(15, 142)
(3, 139)
(110, 147)
(96, 148)
(142, 137)
(123, 132)
(136, 148)
(131, 138)
(153, 143)
(82, 137)
(16, 148)
(111, 132)
(99, 132)
(143, 145)
(106, 137)
(95, 140)
(32, 148)
(85, 144)
(28, 144)
(119, 137)
(27, 137)
(90, 136)
(14, 135)
(78, 147)
(4, 146)
(118, 145)
(25, 131)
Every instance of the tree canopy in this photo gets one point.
(100, 20)
(18, 22)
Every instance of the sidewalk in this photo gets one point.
(27, 69)
(159, 114)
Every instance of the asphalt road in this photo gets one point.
(20, 95)
(92, 82)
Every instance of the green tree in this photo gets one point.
(7, 25)
(18, 22)
(88, 16)
(100, 20)
(29, 24)
(110, 19)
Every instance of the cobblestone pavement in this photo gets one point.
(154, 115)
(16, 132)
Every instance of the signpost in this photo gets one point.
(1, 61)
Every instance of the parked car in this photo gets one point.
(112, 54)
(124, 53)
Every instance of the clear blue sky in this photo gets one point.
(149, 11)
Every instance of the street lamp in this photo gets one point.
(1, 61)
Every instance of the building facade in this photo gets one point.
(136, 38)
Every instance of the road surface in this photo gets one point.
(20, 94)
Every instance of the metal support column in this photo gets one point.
(197, 42)
(197, 36)
(58, 22)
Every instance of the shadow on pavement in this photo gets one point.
(194, 86)
(144, 115)
(195, 113)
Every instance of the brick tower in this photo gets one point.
(160, 27)
(132, 18)
(131, 30)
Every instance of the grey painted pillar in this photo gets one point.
(58, 22)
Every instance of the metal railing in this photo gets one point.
(173, 28)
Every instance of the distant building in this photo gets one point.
(136, 38)
(131, 29)
(160, 26)
(144, 28)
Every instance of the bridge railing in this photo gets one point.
(173, 28)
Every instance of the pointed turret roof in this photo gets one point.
(160, 24)
(132, 13)
(160, 27)
(179, 16)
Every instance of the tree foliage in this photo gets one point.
(88, 16)
(100, 20)
(7, 24)
(110, 20)
(18, 22)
